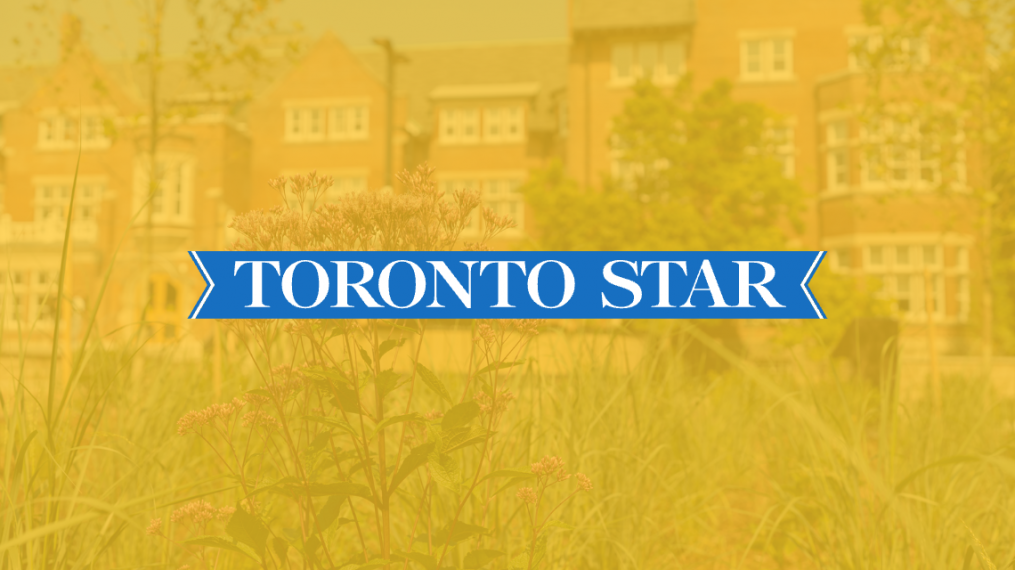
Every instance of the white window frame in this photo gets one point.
(784, 145)
(894, 271)
(837, 145)
(348, 122)
(52, 196)
(498, 190)
(498, 123)
(656, 53)
(58, 130)
(766, 41)
(453, 122)
(174, 203)
(871, 39)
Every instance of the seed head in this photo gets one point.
(527, 495)
(584, 483)
(550, 466)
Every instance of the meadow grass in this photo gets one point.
(126, 464)
(735, 470)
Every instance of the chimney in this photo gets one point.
(70, 34)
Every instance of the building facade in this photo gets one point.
(485, 116)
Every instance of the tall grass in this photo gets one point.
(751, 468)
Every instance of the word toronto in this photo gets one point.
(704, 281)
(506, 285)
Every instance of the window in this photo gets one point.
(869, 50)
(623, 62)
(903, 270)
(162, 313)
(837, 155)
(459, 126)
(903, 153)
(766, 58)
(304, 124)
(320, 121)
(53, 196)
(842, 261)
(344, 186)
(661, 62)
(497, 192)
(14, 290)
(782, 140)
(60, 131)
(502, 124)
(501, 195)
(348, 122)
(171, 197)
(451, 185)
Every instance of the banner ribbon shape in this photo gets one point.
(507, 285)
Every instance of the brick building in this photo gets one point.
(484, 115)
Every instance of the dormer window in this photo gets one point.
(64, 131)
(317, 121)
(661, 62)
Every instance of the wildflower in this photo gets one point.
(584, 483)
(225, 512)
(199, 512)
(486, 333)
(155, 527)
(433, 415)
(259, 418)
(194, 420)
(527, 495)
(256, 399)
(550, 466)
(495, 404)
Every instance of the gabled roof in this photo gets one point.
(603, 15)
(477, 68)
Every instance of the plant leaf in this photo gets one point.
(480, 558)
(460, 415)
(388, 345)
(387, 381)
(329, 512)
(446, 471)
(432, 382)
(332, 422)
(347, 399)
(498, 366)
(396, 420)
(217, 542)
(512, 473)
(557, 524)
(428, 562)
(416, 459)
(366, 357)
(462, 532)
(247, 529)
(463, 437)
(281, 548)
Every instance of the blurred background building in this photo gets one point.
(485, 115)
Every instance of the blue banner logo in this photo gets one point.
(507, 285)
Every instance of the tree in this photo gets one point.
(694, 173)
(949, 67)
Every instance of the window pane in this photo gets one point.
(648, 55)
(752, 53)
(780, 59)
(876, 255)
(623, 54)
(673, 59)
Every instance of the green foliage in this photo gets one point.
(699, 174)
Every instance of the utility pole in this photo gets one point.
(391, 58)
